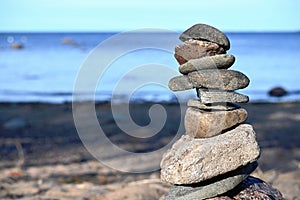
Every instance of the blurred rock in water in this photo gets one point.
(277, 92)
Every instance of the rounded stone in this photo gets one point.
(207, 33)
(222, 61)
(219, 79)
(277, 92)
(180, 83)
(194, 49)
(203, 124)
(252, 188)
(217, 96)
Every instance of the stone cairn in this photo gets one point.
(218, 153)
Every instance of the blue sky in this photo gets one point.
(118, 15)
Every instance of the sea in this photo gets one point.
(46, 67)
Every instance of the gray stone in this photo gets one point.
(193, 49)
(252, 188)
(193, 160)
(219, 79)
(216, 96)
(180, 83)
(203, 124)
(211, 107)
(213, 187)
(207, 33)
(223, 61)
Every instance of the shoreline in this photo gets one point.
(37, 137)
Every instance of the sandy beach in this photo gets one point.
(42, 156)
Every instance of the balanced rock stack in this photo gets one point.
(218, 152)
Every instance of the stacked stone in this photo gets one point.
(218, 152)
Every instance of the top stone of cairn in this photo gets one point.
(206, 33)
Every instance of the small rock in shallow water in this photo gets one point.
(278, 92)
(193, 160)
(207, 33)
(202, 124)
(223, 61)
(193, 49)
(216, 96)
(213, 187)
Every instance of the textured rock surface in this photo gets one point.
(212, 79)
(211, 107)
(202, 124)
(219, 79)
(194, 160)
(212, 187)
(180, 83)
(216, 96)
(193, 49)
(252, 188)
(223, 61)
(205, 32)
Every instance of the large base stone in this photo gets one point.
(193, 160)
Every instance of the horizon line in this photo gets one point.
(120, 31)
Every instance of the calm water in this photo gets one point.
(46, 68)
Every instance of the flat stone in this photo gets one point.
(203, 124)
(252, 188)
(212, 187)
(219, 79)
(223, 61)
(193, 49)
(193, 160)
(216, 96)
(180, 83)
(207, 33)
(212, 107)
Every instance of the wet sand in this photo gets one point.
(42, 156)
